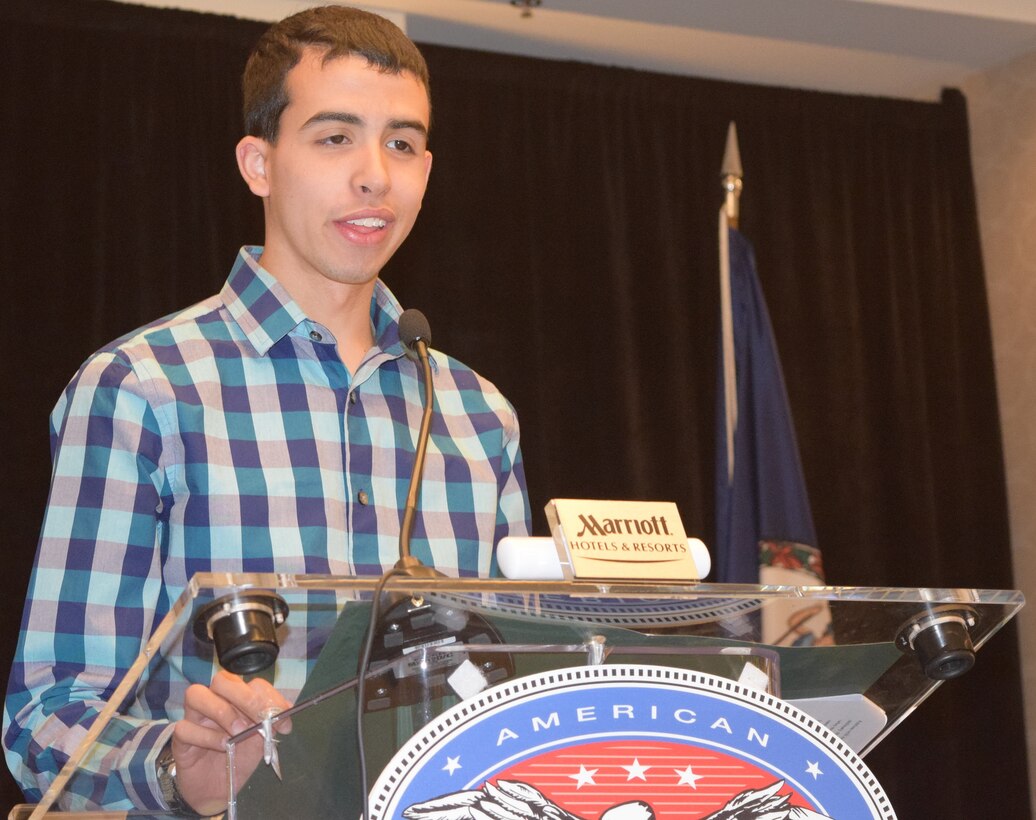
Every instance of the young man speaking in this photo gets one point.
(269, 428)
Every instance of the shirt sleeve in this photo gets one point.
(513, 515)
(92, 596)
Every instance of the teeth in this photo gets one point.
(368, 222)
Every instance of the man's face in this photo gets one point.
(343, 184)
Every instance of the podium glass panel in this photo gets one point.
(881, 652)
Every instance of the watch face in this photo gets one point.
(626, 742)
(165, 764)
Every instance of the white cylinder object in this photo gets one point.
(535, 558)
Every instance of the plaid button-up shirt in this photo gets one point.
(230, 437)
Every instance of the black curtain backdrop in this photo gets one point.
(567, 250)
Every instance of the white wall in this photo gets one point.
(1002, 114)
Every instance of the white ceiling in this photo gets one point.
(898, 48)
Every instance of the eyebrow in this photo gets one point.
(354, 119)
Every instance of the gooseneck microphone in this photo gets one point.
(401, 643)
(416, 335)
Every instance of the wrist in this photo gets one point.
(165, 766)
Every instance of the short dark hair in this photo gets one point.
(336, 30)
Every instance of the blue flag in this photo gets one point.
(762, 509)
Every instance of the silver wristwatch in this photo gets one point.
(165, 766)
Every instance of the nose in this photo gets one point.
(371, 175)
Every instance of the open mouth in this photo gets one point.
(368, 222)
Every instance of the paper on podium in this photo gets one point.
(854, 718)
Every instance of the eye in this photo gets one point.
(335, 139)
(401, 145)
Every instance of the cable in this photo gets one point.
(361, 686)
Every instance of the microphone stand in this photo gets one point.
(414, 333)
(407, 563)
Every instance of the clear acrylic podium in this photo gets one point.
(886, 651)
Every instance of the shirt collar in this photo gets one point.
(385, 313)
(266, 313)
(259, 303)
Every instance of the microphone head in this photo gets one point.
(413, 326)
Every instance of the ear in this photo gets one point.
(427, 166)
(252, 153)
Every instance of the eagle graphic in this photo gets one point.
(515, 800)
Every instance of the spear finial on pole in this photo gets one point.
(731, 175)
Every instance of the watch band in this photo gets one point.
(165, 766)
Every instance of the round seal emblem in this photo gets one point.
(626, 742)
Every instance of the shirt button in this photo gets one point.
(316, 337)
(361, 496)
(352, 398)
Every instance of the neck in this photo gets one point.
(354, 334)
(343, 308)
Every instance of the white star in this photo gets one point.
(452, 764)
(813, 769)
(688, 778)
(585, 777)
(636, 771)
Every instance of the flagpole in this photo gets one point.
(731, 176)
(764, 527)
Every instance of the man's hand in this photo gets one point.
(212, 714)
